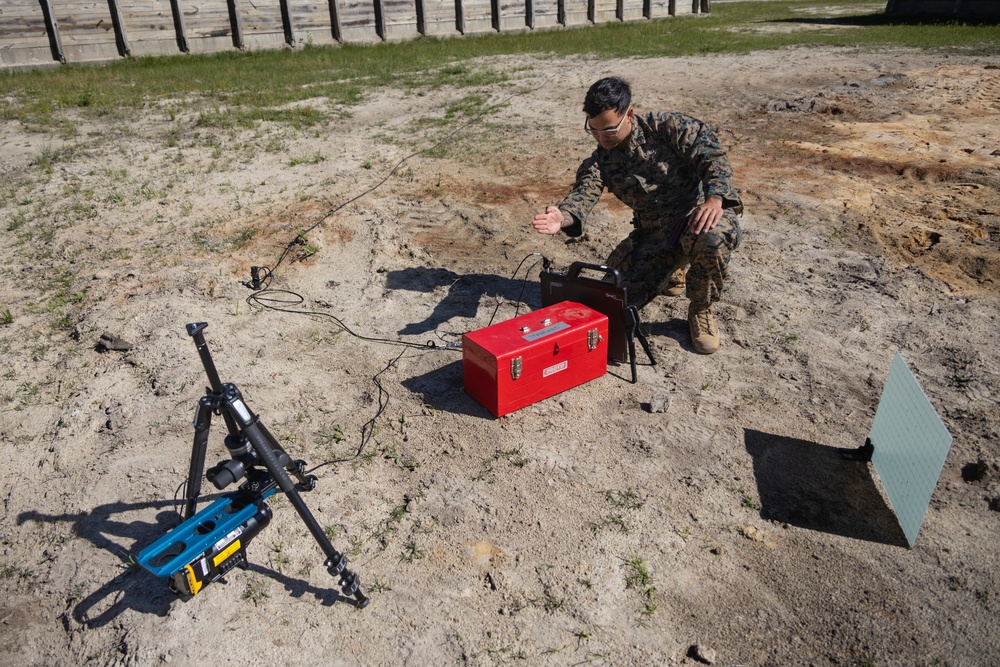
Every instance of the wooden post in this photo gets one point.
(380, 19)
(286, 22)
(459, 17)
(121, 39)
(178, 12)
(620, 10)
(561, 12)
(592, 11)
(421, 20)
(647, 9)
(672, 7)
(335, 21)
(236, 23)
(52, 28)
(529, 13)
(706, 6)
(495, 11)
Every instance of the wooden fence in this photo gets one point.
(38, 32)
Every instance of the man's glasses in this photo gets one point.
(597, 134)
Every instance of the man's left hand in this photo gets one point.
(704, 217)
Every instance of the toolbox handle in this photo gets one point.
(614, 274)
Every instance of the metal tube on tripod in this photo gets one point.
(253, 431)
(202, 422)
(195, 331)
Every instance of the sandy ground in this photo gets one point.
(584, 529)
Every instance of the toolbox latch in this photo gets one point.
(515, 367)
(593, 338)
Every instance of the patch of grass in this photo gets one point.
(307, 249)
(551, 602)
(298, 118)
(247, 89)
(638, 577)
(15, 572)
(627, 499)
(255, 591)
(611, 521)
(379, 586)
(279, 557)
(411, 552)
(315, 158)
(637, 574)
(6, 317)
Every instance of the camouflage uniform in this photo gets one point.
(669, 165)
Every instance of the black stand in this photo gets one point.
(256, 456)
(607, 296)
(633, 331)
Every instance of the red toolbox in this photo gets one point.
(521, 361)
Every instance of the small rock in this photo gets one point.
(659, 403)
(702, 654)
(112, 342)
(718, 551)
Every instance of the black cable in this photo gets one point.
(300, 236)
(523, 284)
(368, 429)
(263, 295)
(266, 299)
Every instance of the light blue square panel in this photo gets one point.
(910, 446)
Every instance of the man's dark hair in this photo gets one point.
(609, 93)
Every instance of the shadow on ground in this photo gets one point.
(813, 486)
(462, 295)
(133, 588)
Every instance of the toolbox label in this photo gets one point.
(549, 330)
(552, 370)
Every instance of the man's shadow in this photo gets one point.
(463, 294)
(134, 588)
(815, 487)
(674, 328)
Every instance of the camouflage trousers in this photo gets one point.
(645, 260)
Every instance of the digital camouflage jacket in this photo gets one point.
(669, 165)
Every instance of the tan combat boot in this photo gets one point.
(704, 332)
(675, 283)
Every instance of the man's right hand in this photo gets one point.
(549, 222)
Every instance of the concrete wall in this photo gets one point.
(43, 32)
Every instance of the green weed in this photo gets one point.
(255, 592)
(411, 552)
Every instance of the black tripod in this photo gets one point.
(211, 542)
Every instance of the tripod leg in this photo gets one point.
(645, 346)
(631, 357)
(202, 423)
(630, 316)
(336, 563)
(635, 331)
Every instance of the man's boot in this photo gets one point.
(675, 283)
(704, 331)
